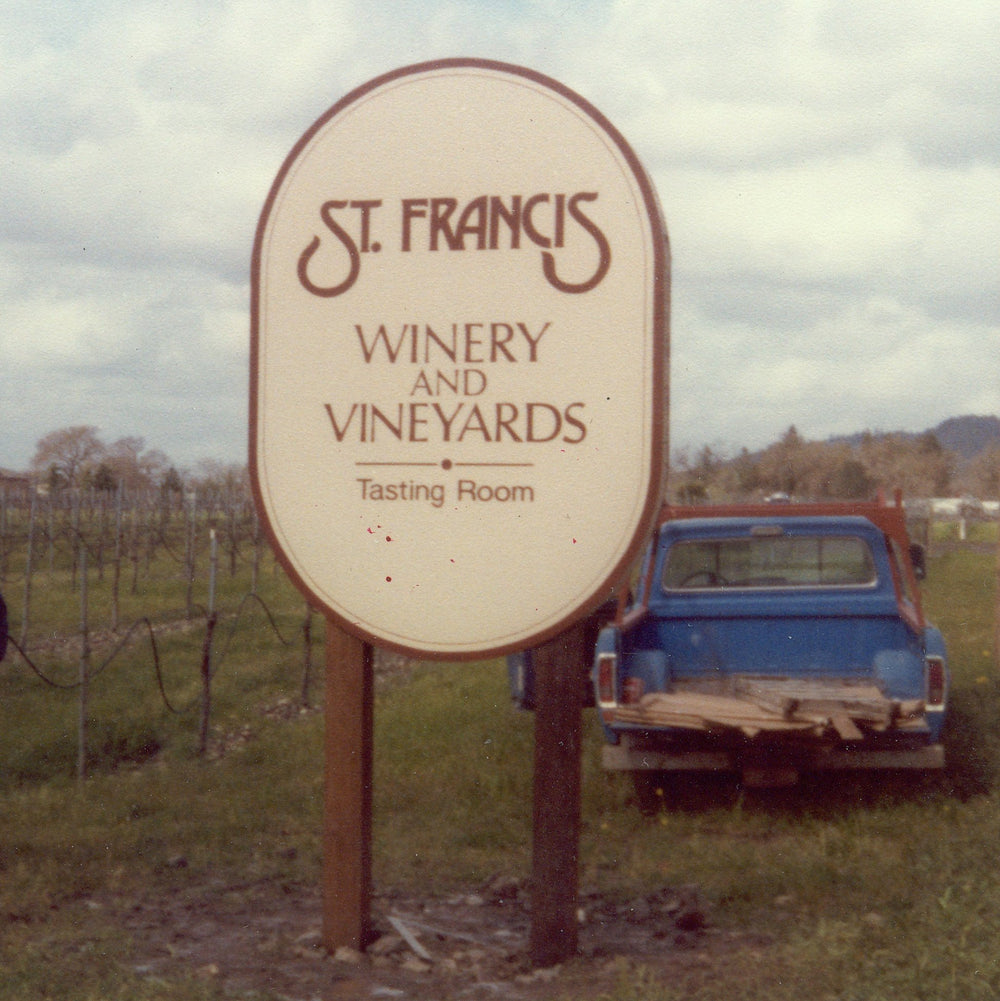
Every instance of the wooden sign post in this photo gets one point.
(347, 805)
(556, 810)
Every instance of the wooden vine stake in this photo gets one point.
(996, 636)
(84, 678)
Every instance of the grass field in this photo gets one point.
(865, 888)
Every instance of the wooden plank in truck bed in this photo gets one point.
(755, 705)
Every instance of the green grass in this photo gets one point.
(982, 532)
(448, 744)
(860, 888)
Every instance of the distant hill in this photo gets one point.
(966, 436)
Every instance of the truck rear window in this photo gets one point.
(769, 561)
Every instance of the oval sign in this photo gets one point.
(459, 332)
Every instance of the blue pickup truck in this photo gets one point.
(772, 640)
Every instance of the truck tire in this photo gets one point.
(648, 787)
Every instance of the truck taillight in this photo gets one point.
(936, 682)
(632, 690)
(607, 669)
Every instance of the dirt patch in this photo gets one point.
(262, 939)
(265, 938)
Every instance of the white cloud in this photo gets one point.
(829, 173)
(875, 364)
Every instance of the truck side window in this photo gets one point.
(3, 628)
(898, 572)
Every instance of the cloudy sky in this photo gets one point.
(830, 174)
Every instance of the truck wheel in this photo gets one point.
(648, 791)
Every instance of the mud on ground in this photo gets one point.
(263, 939)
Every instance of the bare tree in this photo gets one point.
(981, 476)
(135, 466)
(69, 454)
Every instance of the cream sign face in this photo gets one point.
(458, 359)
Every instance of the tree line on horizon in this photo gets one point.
(76, 458)
(919, 465)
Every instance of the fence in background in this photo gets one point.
(59, 552)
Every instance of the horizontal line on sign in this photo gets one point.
(451, 465)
